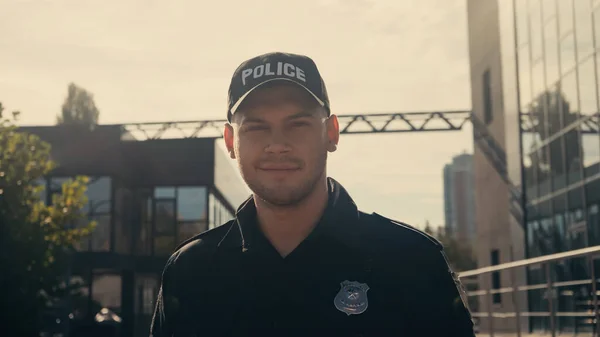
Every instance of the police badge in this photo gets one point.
(352, 298)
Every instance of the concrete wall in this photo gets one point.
(496, 228)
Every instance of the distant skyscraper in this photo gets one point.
(459, 201)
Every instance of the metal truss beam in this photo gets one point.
(349, 124)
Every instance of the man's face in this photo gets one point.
(280, 137)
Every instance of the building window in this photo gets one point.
(106, 291)
(172, 215)
(218, 213)
(191, 211)
(496, 298)
(98, 209)
(487, 97)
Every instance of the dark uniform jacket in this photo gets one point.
(356, 274)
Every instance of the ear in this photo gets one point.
(333, 133)
(228, 136)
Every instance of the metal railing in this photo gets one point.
(550, 286)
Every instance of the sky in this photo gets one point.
(150, 60)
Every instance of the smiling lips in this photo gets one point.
(278, 167)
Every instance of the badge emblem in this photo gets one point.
(352, 298)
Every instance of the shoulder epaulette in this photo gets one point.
(428, 236)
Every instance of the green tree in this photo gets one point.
(79, 108)
(35, 239)
(460, 254)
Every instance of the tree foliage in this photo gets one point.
(460, 254)
(79, 108)
(35, 239)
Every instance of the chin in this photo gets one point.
(282, 200)
(281, 193)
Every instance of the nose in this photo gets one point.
(278, 143)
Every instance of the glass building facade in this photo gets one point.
(550, 65)
(558, 89)
(535, 68)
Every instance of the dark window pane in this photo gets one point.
(495, 260)
(545, 235)
(574, 164)
(100, 238)
(487, 97)
(594, 225)
(583, 28)
(567, 53)
(164, 245)
(99, 194)
(165, 216)
(587, 88)
(147, 210)
(143, 221)
(576, 222)
(551, 54)
(191, 203)
(106, 291)
(124, 222)
(557, 163)
(560, 231)
(188, 229)
(539, 241)
(164, 192)
(552, 121)
(146, 291)
(532, 229)
(559, 204)
(143, 245)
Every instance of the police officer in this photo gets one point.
(300, 259)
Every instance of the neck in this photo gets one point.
(287, 226)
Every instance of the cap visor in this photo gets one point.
(241, 99)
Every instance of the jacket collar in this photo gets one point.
(339, 222)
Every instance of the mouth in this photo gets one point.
(279, 169)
